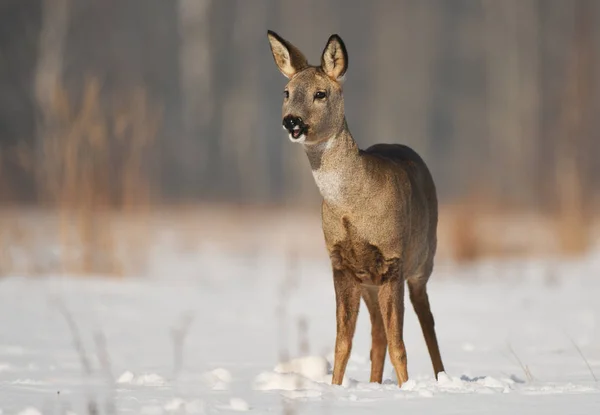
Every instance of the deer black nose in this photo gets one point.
(291, 121)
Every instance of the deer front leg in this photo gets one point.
(378, 339)
(391, 301)
(347, 298)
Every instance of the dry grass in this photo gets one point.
(475, 228)
(91, 169)
(27, 237)
(573, 227)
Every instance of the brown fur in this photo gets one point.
(379, 214)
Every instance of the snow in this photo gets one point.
(224, 334)
(149, 379)
(218, 379)
(237, 404)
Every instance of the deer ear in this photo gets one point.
(288, 58)
(335, 58)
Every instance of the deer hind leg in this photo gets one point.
(391, 302)
(420, 300)
(347, 296)
(378, 339)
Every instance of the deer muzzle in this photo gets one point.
(295, 127)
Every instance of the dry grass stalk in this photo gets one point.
(178, 336)
(104, 360)
(584, 359)
(287, 286)
(80, 349)
(303, 336)
(525, 368)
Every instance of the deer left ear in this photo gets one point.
(335, 58)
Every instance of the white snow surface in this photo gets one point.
(227, 337)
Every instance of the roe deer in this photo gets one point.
(379, 211)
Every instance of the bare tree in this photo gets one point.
(53, 34)
(196, 79)
(512, 71)
(571, 184)
(244, 148)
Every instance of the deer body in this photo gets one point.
(379, 211)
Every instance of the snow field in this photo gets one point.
(225, 340)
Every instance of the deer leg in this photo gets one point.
(347, 297)
(391, 302)
(420, 300)
(378, 339)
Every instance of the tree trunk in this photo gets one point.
(196, 79)
(55, 18)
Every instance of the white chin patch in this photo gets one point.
(300, 139)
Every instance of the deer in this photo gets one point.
(379, 212)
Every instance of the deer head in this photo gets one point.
(313, 103)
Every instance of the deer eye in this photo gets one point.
(286, 93)
(320, 95)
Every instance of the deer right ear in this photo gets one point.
(335, 58)
(288, 58)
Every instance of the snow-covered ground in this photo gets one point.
(209, 335)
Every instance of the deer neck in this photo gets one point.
(336, 167)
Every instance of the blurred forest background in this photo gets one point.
(138, 105)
